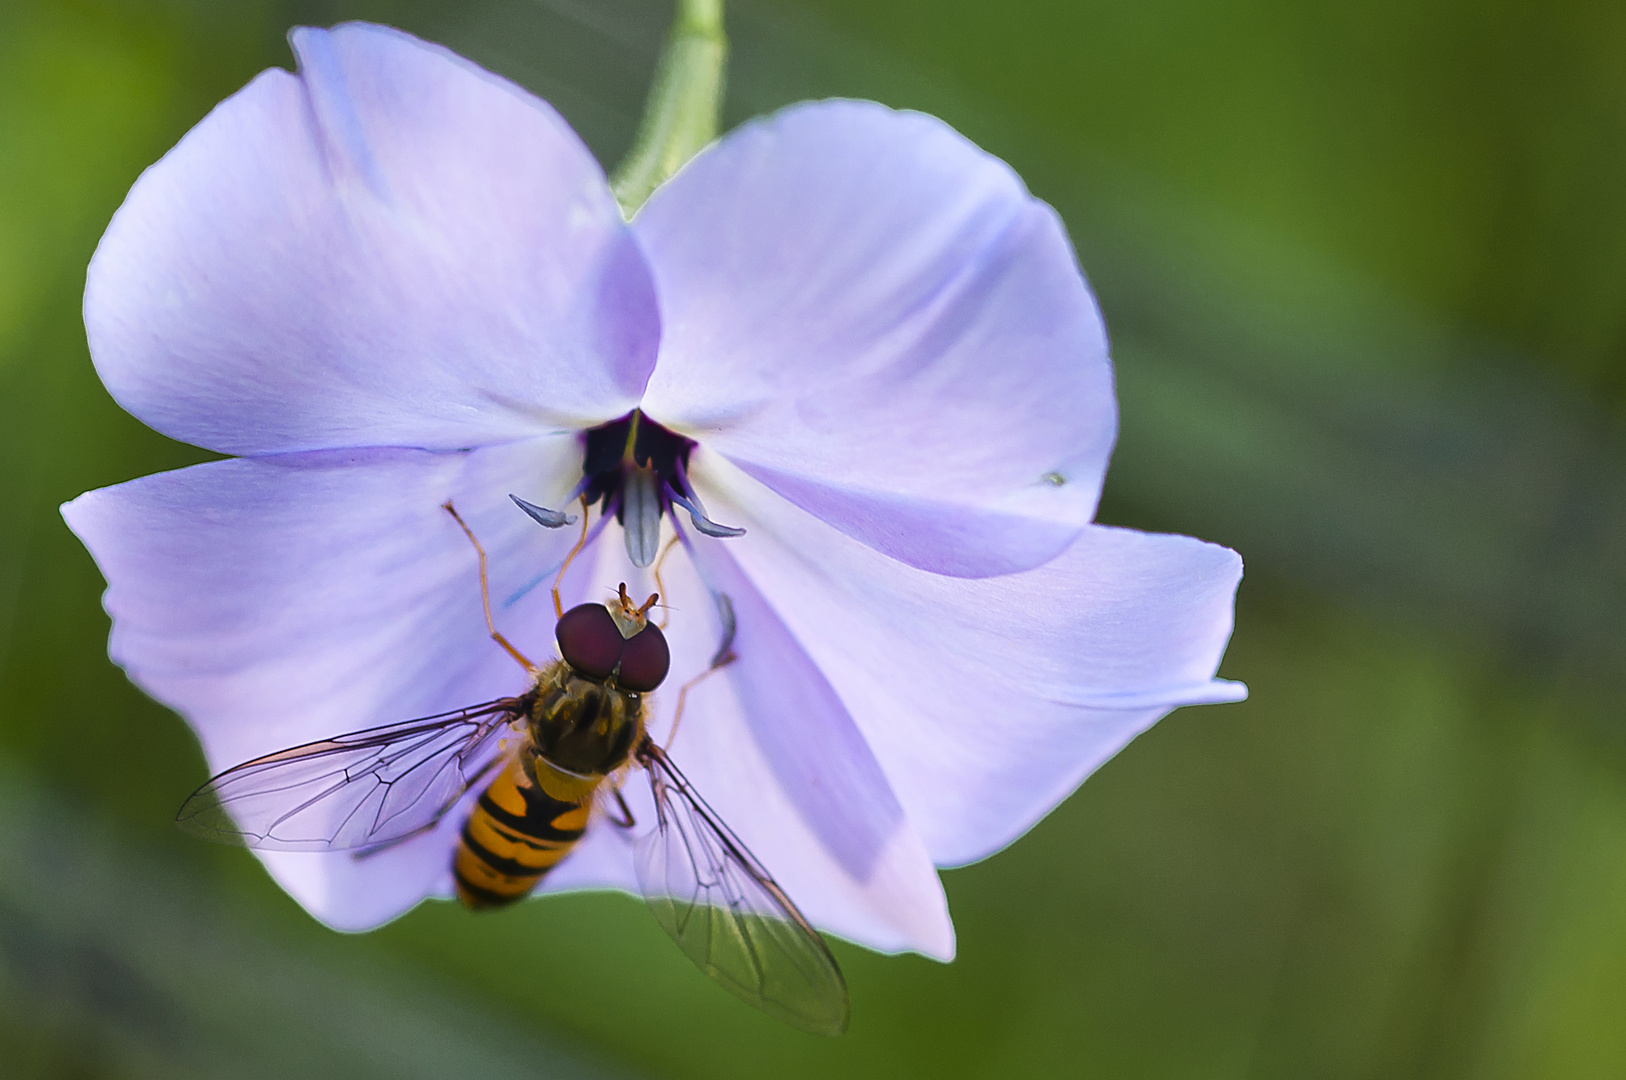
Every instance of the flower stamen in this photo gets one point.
(684, 495)
(548, 519)
(697, 515)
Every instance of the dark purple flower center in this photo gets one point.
(618, 450)
(637, 470)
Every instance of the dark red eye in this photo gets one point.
(644, 660)
(589, 640)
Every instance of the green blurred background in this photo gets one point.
(1364, 265)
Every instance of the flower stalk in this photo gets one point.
(681, 113)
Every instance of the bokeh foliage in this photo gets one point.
(1365, 270)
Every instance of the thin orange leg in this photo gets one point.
(558, 606)
(724, 656)
(683, 695)
(485, 592)
(660, 587)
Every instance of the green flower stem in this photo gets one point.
(681, 114)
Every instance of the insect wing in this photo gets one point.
(353, 791)
(728, 915)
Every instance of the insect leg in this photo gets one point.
(724, 656)
(558, 606)
(626, 820)
(660, 587)
(485, 592)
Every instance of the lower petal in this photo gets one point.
(276, 601)
(771, 748)
(988, 701)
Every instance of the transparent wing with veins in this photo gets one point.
(727, 914)
(355, 791)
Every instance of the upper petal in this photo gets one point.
(274, 602)
(988, 701)
(392, 247)
(875, 319)
(771, 747)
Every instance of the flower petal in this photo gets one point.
(393, 247)
(771, 748)
(277, 601)
(988, 701)
(875, 319)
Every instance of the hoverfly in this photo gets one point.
(549, 759)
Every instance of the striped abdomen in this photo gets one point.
(516, 834)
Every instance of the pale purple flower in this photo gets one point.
(394, 279)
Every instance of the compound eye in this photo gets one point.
(589, 640)
(644, 660)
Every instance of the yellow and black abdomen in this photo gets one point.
(516, 834)
(580, 730)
